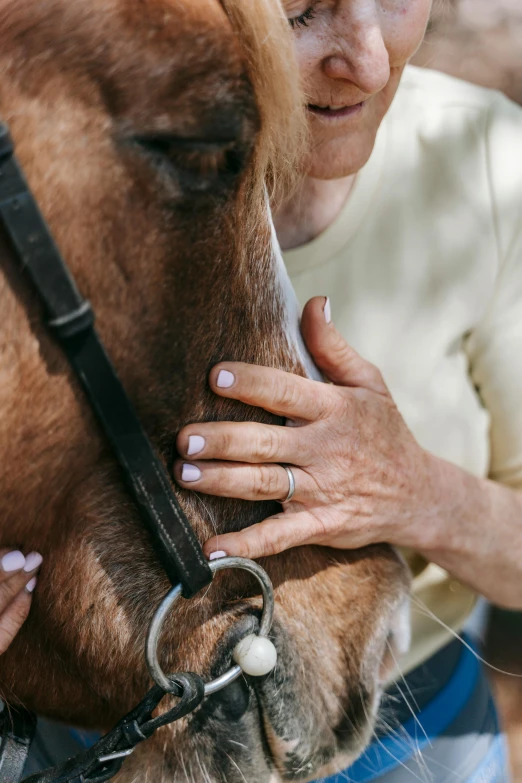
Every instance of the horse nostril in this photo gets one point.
(230, 703)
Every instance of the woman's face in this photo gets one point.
(351, 54)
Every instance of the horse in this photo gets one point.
(149, 132)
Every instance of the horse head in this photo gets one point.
(148, 131)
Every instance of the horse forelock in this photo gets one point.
(264, 36)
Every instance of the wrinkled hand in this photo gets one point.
(360, 476)
(17, 582)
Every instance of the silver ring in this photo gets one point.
(291, 484)
(160, 615)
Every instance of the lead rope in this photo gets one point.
(103, 760)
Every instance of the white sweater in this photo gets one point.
(423, 267)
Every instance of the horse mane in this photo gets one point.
(265, 38)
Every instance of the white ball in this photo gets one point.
(256, 655)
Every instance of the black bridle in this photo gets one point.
(70, 319)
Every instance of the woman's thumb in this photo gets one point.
(338, 361)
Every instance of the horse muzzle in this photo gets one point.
(312, 715)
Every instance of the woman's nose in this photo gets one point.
(362, 58)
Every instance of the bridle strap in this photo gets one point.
(71, 320)
(17, 729)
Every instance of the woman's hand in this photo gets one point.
(360, 475)
(17, 582)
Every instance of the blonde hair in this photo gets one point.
(265, 37)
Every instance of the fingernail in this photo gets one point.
(225, 379)
(327, 310)
(217, 555)
(190, 472)
(32, 561)
(195, 444)
(13, 561)
(31, 584)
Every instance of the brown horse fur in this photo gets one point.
(173, 248)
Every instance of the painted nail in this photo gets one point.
(327, 310)
(195, 445)
(12, 561)
(190, 472)
(225, 379)
(32, 561)
(31, 584)
(217, 555)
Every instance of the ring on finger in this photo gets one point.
(291, 484)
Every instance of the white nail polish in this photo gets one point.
(225, 379)
(31, 584)
(217, 555)
(12, 561)
(327, 310)
(32, 561)
(190, 472)
(195, 444)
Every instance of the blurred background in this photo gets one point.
(481, 41)
(477, 40)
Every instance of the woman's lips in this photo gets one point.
(335, 112)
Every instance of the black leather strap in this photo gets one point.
(17, 728)
(71, 319)
(93, 766)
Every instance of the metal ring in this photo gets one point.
(291, 484)
(160, 615)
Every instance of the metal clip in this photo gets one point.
(118, 754)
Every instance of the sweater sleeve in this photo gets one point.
(494, 346)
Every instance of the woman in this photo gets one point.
(409, 219)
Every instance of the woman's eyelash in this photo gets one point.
(303, 19)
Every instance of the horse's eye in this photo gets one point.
(198, 163)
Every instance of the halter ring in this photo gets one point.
(160, 615)
(291, 484)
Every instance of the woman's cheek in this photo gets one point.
(403, 25)
(312, 45)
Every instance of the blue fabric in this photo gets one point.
(85, 738)
(493, 768)
(388, 753)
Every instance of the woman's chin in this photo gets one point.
(340, 157)
(326, 170)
